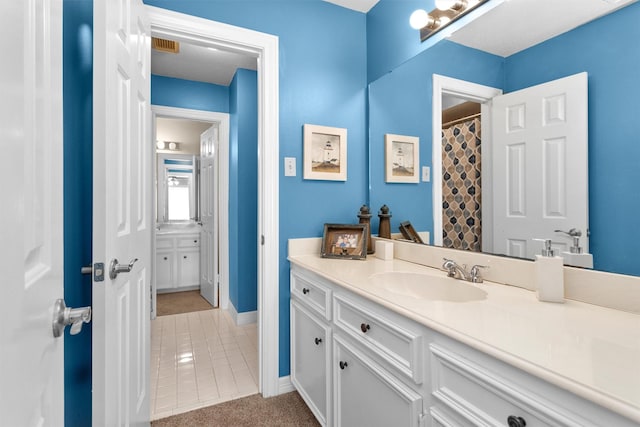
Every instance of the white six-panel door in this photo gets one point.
(209, 143)
(540, 166)
(31, 225)
(122, 212)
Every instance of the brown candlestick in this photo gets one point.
(385, 222)
(365, 218)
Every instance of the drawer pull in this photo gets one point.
(305, 290)
(514, 421)
(185, 257)
(318, 341)
(165, 258)
(195, 241)
(364, 327)
(343, 365)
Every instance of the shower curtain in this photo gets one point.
(461, 186)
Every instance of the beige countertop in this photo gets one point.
(589, 350)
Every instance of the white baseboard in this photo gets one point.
(242, 318)
(285, 385)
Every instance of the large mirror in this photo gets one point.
(402, 103)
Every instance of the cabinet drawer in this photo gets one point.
(466, 393)
(312, 293)
(164, 243)
(394, 341)
(189, 242)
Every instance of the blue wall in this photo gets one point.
(401, 103)
(78, 159)
(243, 191)
(322, 82)
(179, 93)
(609, 51)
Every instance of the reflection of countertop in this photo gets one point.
(591, 351)
(169, 229)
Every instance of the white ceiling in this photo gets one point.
(509, 27)
(516, 25)
(201, 64)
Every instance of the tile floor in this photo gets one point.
(200, 359)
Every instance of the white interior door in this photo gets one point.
(209, 143)
(540, 166)
(31, 225)
(122, 212)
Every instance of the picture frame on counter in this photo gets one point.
(345, 241)
(402, 158)
(325, 153)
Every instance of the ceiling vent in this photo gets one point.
(165, 45)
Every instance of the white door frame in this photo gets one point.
(443, 85)
(265, 48)
(222, 205)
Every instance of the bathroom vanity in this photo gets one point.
(177, 259)
(382, 343)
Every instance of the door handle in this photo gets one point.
(115, 268)
(63, 316)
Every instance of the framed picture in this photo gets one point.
(347, 241)
(402, 158)
(325, 153)
(410, 233)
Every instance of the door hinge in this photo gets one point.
(262, 239)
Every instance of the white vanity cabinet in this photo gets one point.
(177, 262)
(376, 367)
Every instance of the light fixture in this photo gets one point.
(160, 145)
(173, 146)
(446, 12)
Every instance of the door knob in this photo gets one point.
(115, 268)
(63, 316)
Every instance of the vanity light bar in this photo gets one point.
(439, 19)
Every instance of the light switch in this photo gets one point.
(289, 166)
(426, 174)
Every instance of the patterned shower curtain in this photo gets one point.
(461, 186)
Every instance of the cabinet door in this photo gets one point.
(310, 355)
(189, 268)
(165, 276)
(366, 394)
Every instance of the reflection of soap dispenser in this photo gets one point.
(549, 274)
(576, 257)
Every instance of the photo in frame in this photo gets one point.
(325, 153)
(402, 158)
(345, 241)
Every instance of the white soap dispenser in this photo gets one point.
(549, 274)
(576, 256)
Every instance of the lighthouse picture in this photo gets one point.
(325, 153)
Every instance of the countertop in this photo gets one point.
(589, 350)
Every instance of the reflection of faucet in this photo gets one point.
(453, 268)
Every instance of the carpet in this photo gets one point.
(284, 410)
(180, 302)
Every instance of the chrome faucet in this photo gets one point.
(453, 270)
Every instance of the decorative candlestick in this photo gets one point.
(385, 222)
(365, 218)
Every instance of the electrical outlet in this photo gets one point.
(289, 166)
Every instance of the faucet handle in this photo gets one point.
(475, 273)
(449, 265)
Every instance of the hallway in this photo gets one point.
(200, 359)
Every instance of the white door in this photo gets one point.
(122, 219)
(209, 142)
(31, 226)
(540, 166)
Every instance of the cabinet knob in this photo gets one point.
(514, 421)
(364, 327)
(195, 241)
(165, 258)
(305, 290)
(343, 364)
(185, 257)
(318, 341)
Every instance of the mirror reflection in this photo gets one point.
(401, 102)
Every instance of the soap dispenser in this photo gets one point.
(576, 256)
(549, 274)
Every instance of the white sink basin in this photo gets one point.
(427, 286)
